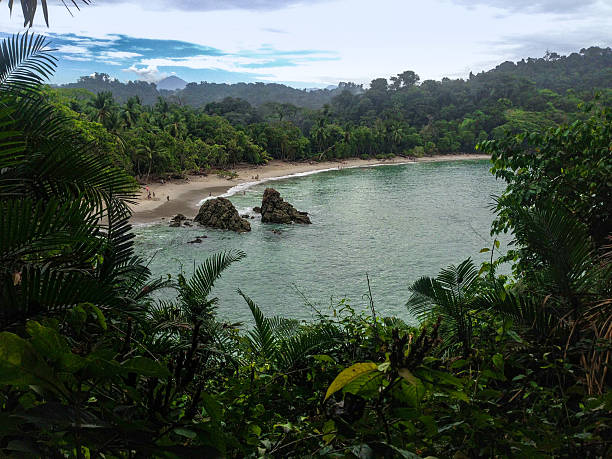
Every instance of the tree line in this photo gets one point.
(399, 116)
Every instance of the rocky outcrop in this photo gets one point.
(275, 210)
(175, 221)
(220, 213)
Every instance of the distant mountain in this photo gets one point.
(200, 94)
(171, 83)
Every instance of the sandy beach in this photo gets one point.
(185, 195)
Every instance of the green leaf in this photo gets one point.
(323, 358)
(411, 394)
(498, 361)
(486, 249)
(366, 386)
(430, 424)
(459, 363)
(408, 376)
(145, 367)
(47, 341)
(185, 433)
(212, 406)
(349, 374)
(255, 429)
(21, 365)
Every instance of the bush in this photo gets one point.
(418, 151)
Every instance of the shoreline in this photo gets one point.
(187, 194)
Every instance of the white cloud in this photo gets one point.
(77, 58)
(149, 73)
(435, 38)
(228, 63)
(119, 54)
(71, 49)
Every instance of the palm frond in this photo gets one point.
(28, 8)
(44, 291)
(203, 280)
(295, 349)
(450, 295)
(25, 62)
(261, 339)
(563, 247)
(62, 231)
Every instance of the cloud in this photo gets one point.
(532, 6)
(150, 73)
(78, 59)
(273, 30)
(215, 5)
(228, 63)
(71, 49)
(563, 42)
(119, 54)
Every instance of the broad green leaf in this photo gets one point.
(323, 358)
(212, 406)
(498, 361)
(411, 394)
(408, 376)
(47, 341)
(367, 385)
(185, 433)
(459, 363)
(349, 374)
(21, 365)
(146, 367)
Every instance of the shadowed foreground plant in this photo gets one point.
(451, 296)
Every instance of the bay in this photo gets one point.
(392, 223)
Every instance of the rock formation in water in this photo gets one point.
(220, 213)
(175, 221)
(275, 210)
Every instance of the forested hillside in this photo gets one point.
(147, 133)
(588, 69)
(199, 94)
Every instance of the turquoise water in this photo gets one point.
(393, 223)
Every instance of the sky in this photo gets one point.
(312, 43)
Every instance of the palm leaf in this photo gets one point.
(28, 8)
(25, 62)
(261, 339)
(205, 276)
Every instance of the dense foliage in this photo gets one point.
(218, 125)
(92, 365)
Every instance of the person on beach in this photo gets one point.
(168, 198)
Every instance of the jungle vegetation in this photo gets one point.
(93, 365)
(147, 132)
